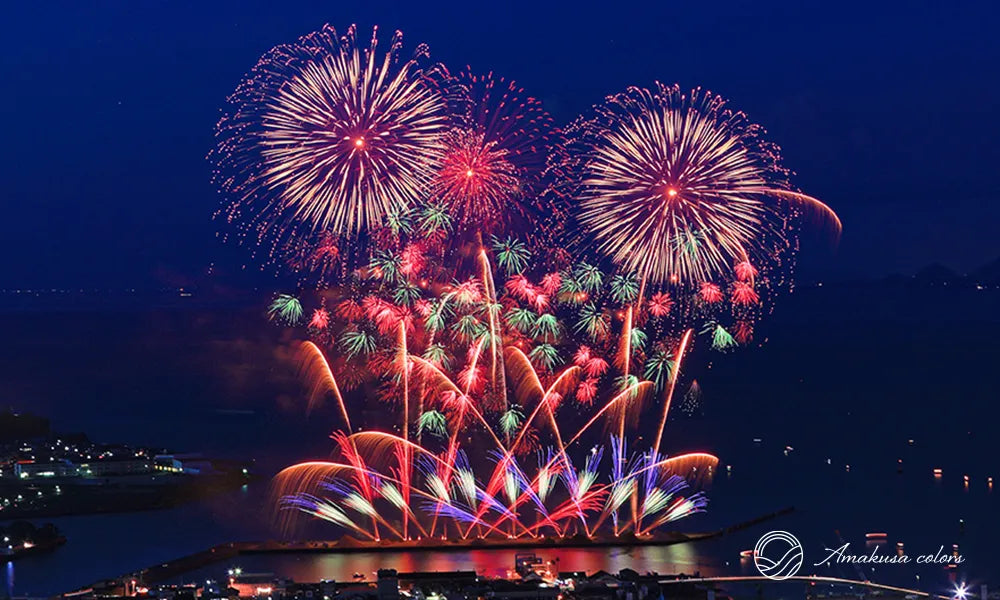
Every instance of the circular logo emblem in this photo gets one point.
(778, 555)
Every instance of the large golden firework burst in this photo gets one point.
(676, 187)
(327, 138)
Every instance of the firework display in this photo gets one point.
(419, 480)
(509, 296)
(482, 374)
(325, 138)
(494, 163)
(680, 189)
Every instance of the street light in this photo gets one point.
(961, 591)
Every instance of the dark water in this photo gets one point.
(847, 376)
(680, 558)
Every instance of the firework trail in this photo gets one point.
(370, 491)
(315, 369)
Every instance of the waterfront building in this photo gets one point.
(259, 585)
(28, 469)
(126, 466)
(182, 463)
(356, 591)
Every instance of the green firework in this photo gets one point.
(434, 423)
(625, 288)
(512, 254)
(592, 321)
(546, 328)
(510, 421)
(434, 218)
(659, 368)
(357, 342)
(285, 307)
(545, 355)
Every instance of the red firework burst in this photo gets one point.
(476, 181)
(320, 319)
(660, 304)
(743, 331)
(493, 164)
(587, 391)
(710, 293)
(745, 271)
(743, 293)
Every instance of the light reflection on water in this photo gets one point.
(676, 558)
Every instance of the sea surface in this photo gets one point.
(855, 395)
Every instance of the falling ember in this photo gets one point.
(692, 400)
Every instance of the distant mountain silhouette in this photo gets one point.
(937, 274)
(988, 273)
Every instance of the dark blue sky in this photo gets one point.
(887, 111)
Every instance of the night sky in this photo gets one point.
(886, 111)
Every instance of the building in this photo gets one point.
(125, 466)
(27, 469)
(356, 591)
(504, 589)
(182, 463)
(259, 585)
(388, 584)
(323, 590)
